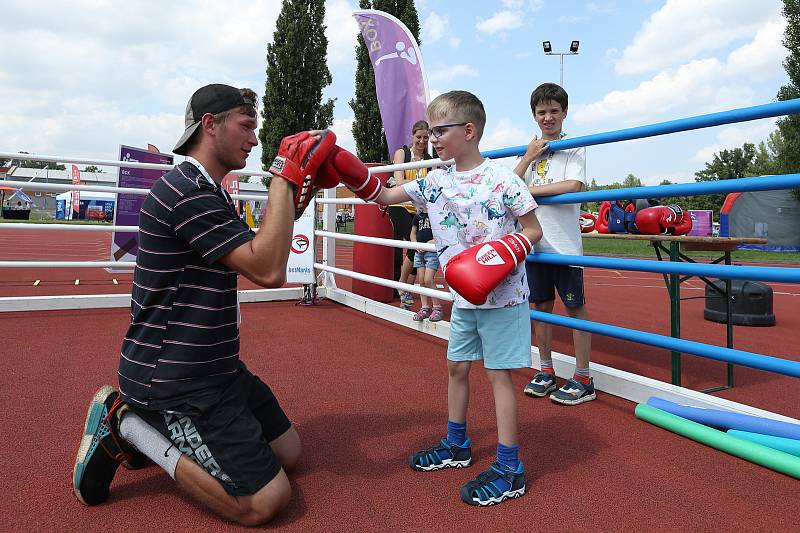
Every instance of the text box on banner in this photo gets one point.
(300, 268)
(701, 222)
(125, 246)
(76, 195)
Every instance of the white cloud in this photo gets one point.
(735, 136)
(505, 135)
(500, 22)
(699, 86)
(442, 73)
(763, 56)
(437, 27)
(434, 28)
(343, 128)
(341, 31)
(685, 29)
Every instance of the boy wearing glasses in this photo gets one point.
(483, 222)
(547, 173)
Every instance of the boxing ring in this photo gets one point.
(611, 409)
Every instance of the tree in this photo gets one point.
(92, 168)
(297, 72)
(726, 165)
(24, 163)
(788, 155)
(368, 126)
(244, 179)
(631, 181)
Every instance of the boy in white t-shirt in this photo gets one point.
(548, 173)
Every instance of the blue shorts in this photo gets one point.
(544, 280)
(426, 260)
(500, 336)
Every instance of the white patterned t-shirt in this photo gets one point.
(471, 207)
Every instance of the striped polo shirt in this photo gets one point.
(184, 333)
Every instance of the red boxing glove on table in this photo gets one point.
(344, 167)
(587, 222)
(476, 271)
(663, 219)
(298, 160)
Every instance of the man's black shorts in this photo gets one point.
(544, 279)
(227, 432)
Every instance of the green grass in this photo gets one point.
(48, 220)
(621, 247)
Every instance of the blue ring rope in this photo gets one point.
(775, 109)
(775, 274)
(728, 355)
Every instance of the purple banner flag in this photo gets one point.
(400, 82)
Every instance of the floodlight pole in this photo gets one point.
(561, 55)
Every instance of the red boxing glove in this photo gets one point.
(298, 160)
(344, 167)
(476, 271)
(587, 222)
(684, 225)
(602, 217)
(663, 219)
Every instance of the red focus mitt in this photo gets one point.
(299, 157)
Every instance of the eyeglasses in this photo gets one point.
(438, 131)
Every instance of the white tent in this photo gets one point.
(66, 198)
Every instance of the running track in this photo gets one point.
(361, 406)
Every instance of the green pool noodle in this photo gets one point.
(750, 451)
(790, 446)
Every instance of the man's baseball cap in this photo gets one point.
(214, 98)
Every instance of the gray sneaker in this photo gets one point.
(574, 392)
(541, 384)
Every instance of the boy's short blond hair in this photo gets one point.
(461, 106)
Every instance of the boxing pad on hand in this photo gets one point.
(346, 168)
(477, 271)
(298, 160)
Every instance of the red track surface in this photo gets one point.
(361, 406)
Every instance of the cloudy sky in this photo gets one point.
(78, 78)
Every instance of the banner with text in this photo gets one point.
(400, 82)
(124, 246)
(76, 195)
(300, 268)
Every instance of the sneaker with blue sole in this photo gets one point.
(102, 450)
(574, 392)
(541, 384)
(443, 455)
(495, 485)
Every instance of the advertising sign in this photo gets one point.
(124, 246)
(300, 268)
(701, 222)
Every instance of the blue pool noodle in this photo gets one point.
(790, 446)
(726, 420)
